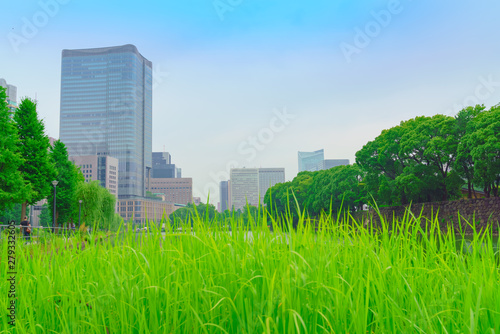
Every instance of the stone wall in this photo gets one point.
(483, 212)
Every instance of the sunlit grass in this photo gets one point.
(336, 277)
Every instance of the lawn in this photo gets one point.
(340, 277)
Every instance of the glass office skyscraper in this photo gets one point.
(309, 161)
(106, 109)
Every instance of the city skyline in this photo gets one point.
(251, 86)
(106, 110)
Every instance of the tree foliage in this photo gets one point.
(484, 145)
(317, 192)
(33, 147)
(98, 205)
(412, 162)
(68, 177)
(13, 188)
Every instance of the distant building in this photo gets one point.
(244, 187)
(163, 167)
(196, 200)
(164, 172)
(229, 203)
(51, 141)
(138, 210)
(101, 168)
(106, 110)
(309, 161)
(268, 177)
(224, 195)
(11, 92)
(161, 158)
(330, 163)
(175, 190)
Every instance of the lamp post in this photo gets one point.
(54, 183)
(79, 213)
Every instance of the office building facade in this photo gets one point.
(11, 92)
(106, 110)
(163, 166)
(244, 187)
(224, 196)
(101, 168)
(268, 177)
(309, 161)
(175, 190)
(140, 211)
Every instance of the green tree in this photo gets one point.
(412, 162)
(464, 165)
(484, 142)
(68, 176)
(12, 213)
(336, 188)
(36, 169)
(98, 204)
(13, 188)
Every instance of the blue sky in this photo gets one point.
(223, 78)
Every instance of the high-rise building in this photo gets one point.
(143, 210)
(244, 187)
(330, 163)
(309, 161)
(161, 158)
(163, 166)
(11, 92)
(248, 185)
(106, 110)
(268, 177)
(164, 171)
(101, 168)
(175, 190)
(224, 195)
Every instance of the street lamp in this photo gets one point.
(54, 183)
(79, 213)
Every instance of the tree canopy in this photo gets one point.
(13, 188)
(33, 146)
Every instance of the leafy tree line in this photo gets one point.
(209, 214)
(423, 159)
(28, 165)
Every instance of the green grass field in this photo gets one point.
(340, 278)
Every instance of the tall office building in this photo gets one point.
(161, 158)
(268, 177)
(106, 110)
(163, 166)
(244, 187)
(309, 161)
(224, 196)
(11, 92)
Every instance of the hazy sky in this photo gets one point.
(251, 82)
